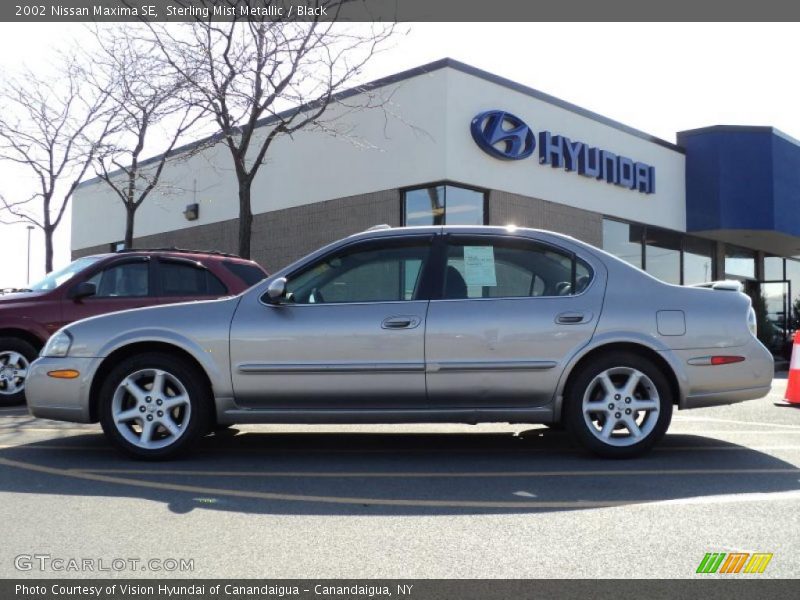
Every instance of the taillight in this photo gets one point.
(726, 360)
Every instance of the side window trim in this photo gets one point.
(423, 278)
(447, 241)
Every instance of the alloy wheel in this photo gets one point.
(13, 372)
(151, 409)
(620, 406)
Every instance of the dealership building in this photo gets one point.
(447, 143)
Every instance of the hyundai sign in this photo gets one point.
(507, 137)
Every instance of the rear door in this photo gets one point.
(510, 312)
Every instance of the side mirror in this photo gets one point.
(83, 290)
(277, 290)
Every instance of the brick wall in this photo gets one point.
(506, 208)
(282, 236)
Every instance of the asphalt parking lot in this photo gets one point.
(490, 501)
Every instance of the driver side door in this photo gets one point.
(350, 333)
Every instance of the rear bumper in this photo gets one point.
(60, 399)
(726, 384)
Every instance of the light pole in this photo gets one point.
(28, 280)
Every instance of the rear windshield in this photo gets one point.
(250, 274)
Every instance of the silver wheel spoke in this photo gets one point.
(608, 427)
(158, 384)
(646, 405)
(128, 415)
(608, 385)
(633, 428)
(175, 402)
(13, 359)
(170, 426)
(147, 432)
(134, 390)
(631, 384)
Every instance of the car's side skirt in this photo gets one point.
(323, 416)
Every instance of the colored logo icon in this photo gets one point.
(735, 562)
(503, 135)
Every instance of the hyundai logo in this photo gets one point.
(503, 135)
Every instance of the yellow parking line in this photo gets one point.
(444, 475)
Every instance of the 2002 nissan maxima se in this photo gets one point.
(428, 324)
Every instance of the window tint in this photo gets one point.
(185, 280)
(250, 274)
(123, 281)
(503, 269)
(368, 274)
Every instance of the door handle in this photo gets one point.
(573, 318)
(400, 322)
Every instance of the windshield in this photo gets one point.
(56, 278)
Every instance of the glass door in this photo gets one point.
(775, 296)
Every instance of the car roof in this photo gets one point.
(204, 255)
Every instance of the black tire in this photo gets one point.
(584, 433)
(200, 400)
(12, 344)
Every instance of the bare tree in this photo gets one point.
(51, 128)
(264, 79)
(151, 111)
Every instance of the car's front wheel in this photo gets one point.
(16, 356)
(619, 405)
(154, 405)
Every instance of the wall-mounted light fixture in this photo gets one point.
(192, 212)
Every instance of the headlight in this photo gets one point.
(751, 321)
(58, 345)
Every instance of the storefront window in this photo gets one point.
(793, 275)
(773, 268)
(623, 241)
(740, 262)
(697, 260)
(444, 205)
(663, 255)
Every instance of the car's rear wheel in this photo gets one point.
(619, 405)
(154, 405)
(16, 356)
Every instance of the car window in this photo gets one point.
(491, 268)
(249, 274)
(365, 274)
(186, 280)
(122, 281)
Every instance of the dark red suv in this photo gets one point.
(105, 283)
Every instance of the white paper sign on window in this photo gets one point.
(479, 266)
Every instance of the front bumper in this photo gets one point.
(61, 399)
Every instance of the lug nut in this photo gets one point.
(148, 399)
(159, 402)
(628, 400)
(610, 407)
(149, 417)
(627, 411)
(142, 409)
(616, 396)
(617, 415)
(161, 413)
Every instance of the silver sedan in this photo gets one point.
(411, 325)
